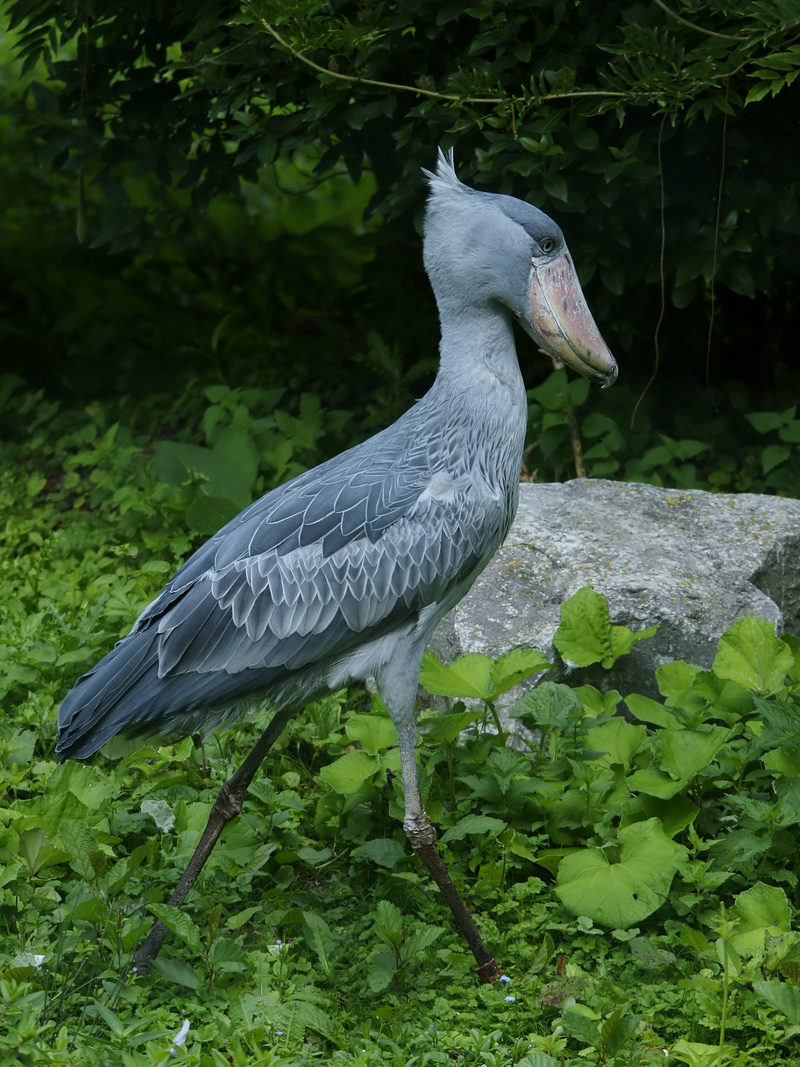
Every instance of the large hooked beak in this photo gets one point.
(563, 324)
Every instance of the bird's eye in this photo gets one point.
(547, 245)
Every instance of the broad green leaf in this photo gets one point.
(684, 753)
(617, 739)
(695, 1054)
(177, 971)
(120, 874)
(160, 812)
(37, 853)
(549, 704)
(617, 1030)
(235, 922)
(448, 726)
(348, 773)
(179, 923)
(514, 667)
(474, 824)
(382, 850)
(238, 448)
(764, 421)
(623, 639)
(389, 921)
(467, 676)
(773, 455)
(751, 654)
(537, 1059)
(419, 939)
(781, 995)
(757, 912)
(648, 710)
(381, 971)
(321, 938)
(651, 781)
(584, 636)
(207, 514)
(675, 812)
(675, 677)
(177, 462)
(374, 732)
(696, 940)
(582, 1028)
(227, 955)
(621, 894)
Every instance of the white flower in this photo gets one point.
(180, 1038)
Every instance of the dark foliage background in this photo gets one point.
(165, 130)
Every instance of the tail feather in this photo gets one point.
(124, 694)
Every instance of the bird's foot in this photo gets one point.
(489, 972)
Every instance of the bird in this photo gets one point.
(343, 573)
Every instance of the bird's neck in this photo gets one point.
(478, 360)
(478, 399)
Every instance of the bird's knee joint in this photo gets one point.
(419, 832)
(229, 801)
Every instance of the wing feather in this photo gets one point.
(303, 577)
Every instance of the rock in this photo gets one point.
(690, 561)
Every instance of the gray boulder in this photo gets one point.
(690, 561)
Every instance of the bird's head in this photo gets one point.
(490, 248)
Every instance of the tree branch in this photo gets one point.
(694, 26)
(357, 80)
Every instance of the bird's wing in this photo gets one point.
(306, 573)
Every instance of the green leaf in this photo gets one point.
(617, 739)
(751, 654)
(684, 753)
(179, 923)
(389, 921)
(227, 955)
(235, 922)
(696, 1054)
(764, 421)
(374, 732)
(773, 455)
(582, 1028)
(448, 726)
(623, 639)
(160, 812)
(381, 971)
(617, 1030)
(514, 667)
(648, 710)
(467, 676)
(780, 995)
(177, 971)
(584, 636)
(384, 851)
(549, 704)
(619, 895)
(537, 1059)
(654, 783)
(207, 514)
(321, 938)
(348, 773)
(474, 824)
(759, 912)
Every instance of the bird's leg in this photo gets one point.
(422, 838)
(227, 805)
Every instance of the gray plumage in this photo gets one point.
(344, 572)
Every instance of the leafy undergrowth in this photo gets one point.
(632, 862)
